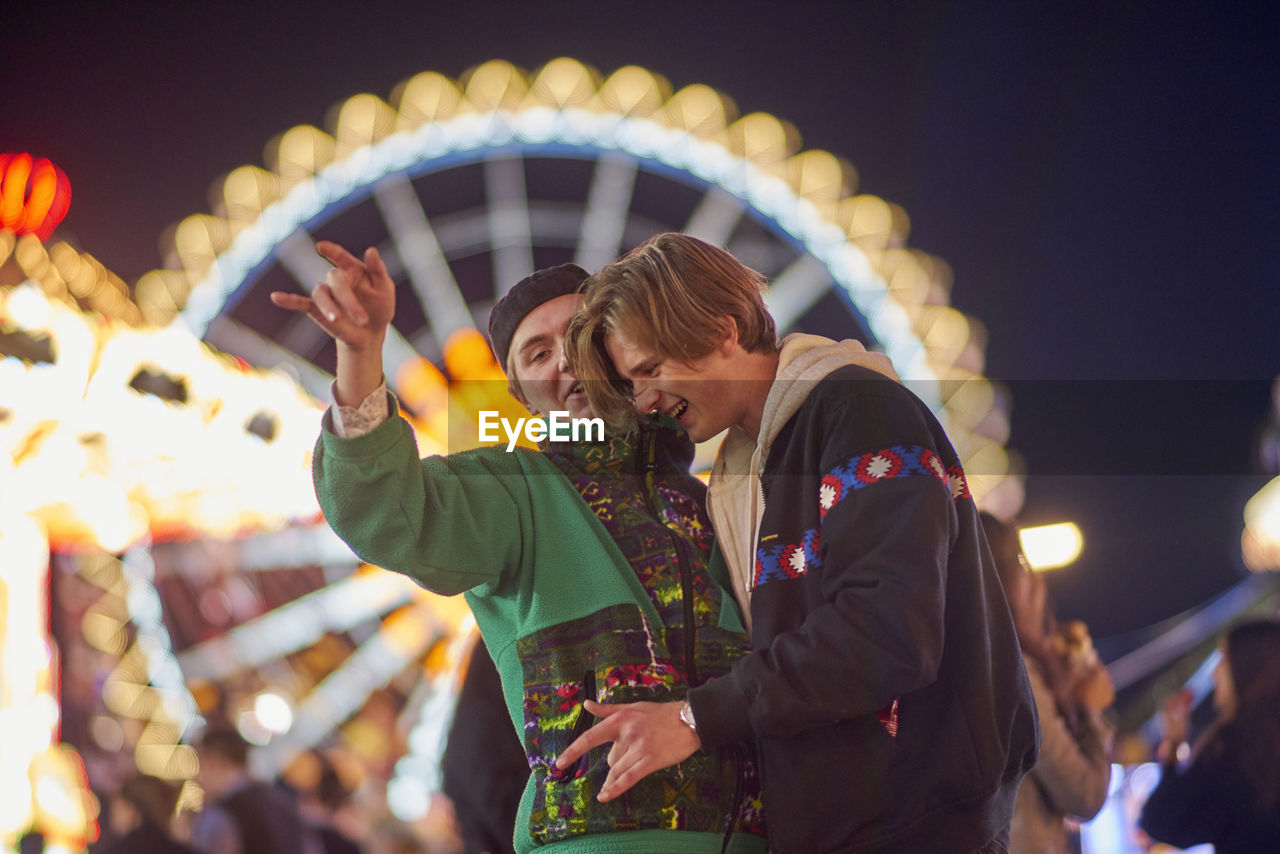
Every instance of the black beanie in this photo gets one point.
(529, 293)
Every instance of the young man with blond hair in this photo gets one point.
(886, 693)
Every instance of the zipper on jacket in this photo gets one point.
(648, 452)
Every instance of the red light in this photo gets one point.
(34, 195)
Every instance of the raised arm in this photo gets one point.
(425, 518)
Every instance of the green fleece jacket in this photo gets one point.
(566, 613)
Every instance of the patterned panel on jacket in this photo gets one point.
(616, 656)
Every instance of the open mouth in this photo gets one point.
(576, 388)
(679, 410)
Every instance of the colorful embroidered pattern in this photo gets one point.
(788, 561)
(614, 656)
(617, 656)
(864, 470)
(791, 560)
(958, 482)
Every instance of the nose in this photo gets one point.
(644, 397)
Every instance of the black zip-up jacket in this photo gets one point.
(887, 692)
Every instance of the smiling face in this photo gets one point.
(702, 395)
(542, 380)
(677, 325)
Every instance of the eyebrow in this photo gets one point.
(643, 365)
(538, 340)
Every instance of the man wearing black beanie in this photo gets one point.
(588, 565)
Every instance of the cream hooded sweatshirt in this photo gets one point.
(735, 501)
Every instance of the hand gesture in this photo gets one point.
(1095, 691)
(355, 302)
(646, 737)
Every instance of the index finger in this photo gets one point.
(373, 262)
(601, 733)
(338, 256)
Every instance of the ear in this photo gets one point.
(729, 331)
(524, 401)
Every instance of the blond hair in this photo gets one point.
(672, 294)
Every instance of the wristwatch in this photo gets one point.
(686, 716)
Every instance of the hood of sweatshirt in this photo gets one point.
(734, 498)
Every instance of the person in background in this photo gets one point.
(141, 818)
(243, 815)
(484, 770)
(1229, 792)
(320, 808)
(1072, 689)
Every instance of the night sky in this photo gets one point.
(1101, 177)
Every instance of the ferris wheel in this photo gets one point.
(466, 186)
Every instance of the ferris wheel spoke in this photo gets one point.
(429, 273)
(297, 254)
(403, 637)
(715, 217)
(431, 709)
(233, 337)
(509, 231)
(795, 290)
(295, 547)
(339, 606)
(605, 218)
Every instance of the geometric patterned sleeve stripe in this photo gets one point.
(785, 560)
(779, 561)
(886, 464)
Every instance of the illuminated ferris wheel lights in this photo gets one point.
(425, 98)
(694, 132)
(1260, 539)
(495, 85)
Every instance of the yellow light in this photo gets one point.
(634, 91)
(763, 139)
(496, 85)
(907, 278)
(363, 119)
(564, 82)
(198, 239)
(301, 152)
(1261, 539)
(1051, 546)
(820, 176)
(467, 356)
(700, 110)
(423, 98)
(948, 331)
(247, 190)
